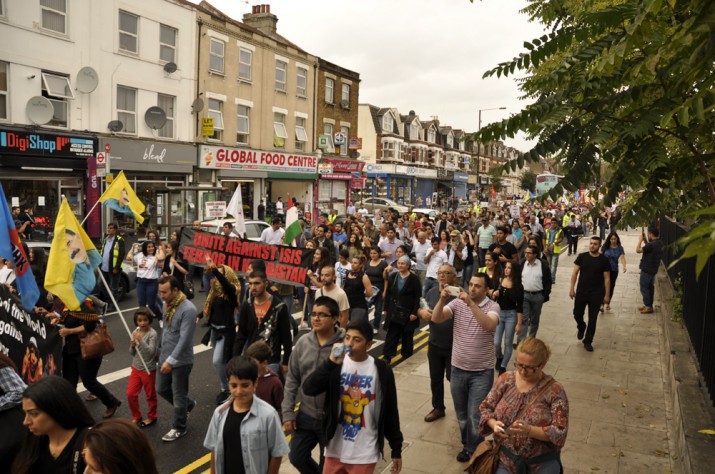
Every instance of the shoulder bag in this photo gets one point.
(97, 343)
(188, 288)
(485, 459)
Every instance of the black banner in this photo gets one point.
(284, 264)
(28, 339)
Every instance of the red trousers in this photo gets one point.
(137, 380)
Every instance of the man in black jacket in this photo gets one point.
(536, 278)
(356, 385)
(264, 317)
(113, 252)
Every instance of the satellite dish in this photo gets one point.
(39, 110)
(155, 117)
(87, 80)
(197, 106)
(115, 126)
(170, 67)
(354, 155)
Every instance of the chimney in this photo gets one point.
(262, 19)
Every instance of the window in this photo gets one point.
(127, 108)
(328, 130)
(54, 15)
(245, 61)
(59, 92)
(301, 136)
(414, 131)
(167, 43)
(281, 75)
(216, 56)
(2, 8)
(166, 102)
(344, 146)
(431, 135)
(387, 122)
(329, 90)
(450, 141)
(128, 32)
(301, 87)
(215, 111)
(3, 89)
(243, 129)
(279, 130)
(388, 150)
(345, 97)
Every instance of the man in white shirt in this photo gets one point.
(350, 210)
(279, 207)
(363, 210)
(421, 247)
(273, 235)
(330, 289)
(434, 259)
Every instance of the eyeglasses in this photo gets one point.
(320, 315)
(445, 273)
(526, 368)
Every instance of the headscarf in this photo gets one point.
(217, 289)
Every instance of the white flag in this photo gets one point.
(235, 208)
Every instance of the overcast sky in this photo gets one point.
(423, 55)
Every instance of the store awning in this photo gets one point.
(285, 175)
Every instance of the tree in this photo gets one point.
(528, 181)
(629, 83)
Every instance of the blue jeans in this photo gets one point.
(532, 314)
(647, 289)
(309, 306)
(174, 388)
(469, 389)
(429, 284)
(308, 433)
(549, 467)
(378, 305)
(553, 259)
(466, 275)
(507, 325)
(218, 361)
(147, 294)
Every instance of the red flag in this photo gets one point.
(494, 194)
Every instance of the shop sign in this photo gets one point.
(207, 126)
(461, 177)
(324, 141)
(325, 168)
(358, 183)
(445, 174)
(21, 142)
(247, 159)
(379, 169)
(142, 155)
(415, 171)
(215, 209)
(354, 143)
(345, 166)
(342, 176)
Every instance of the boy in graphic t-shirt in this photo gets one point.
(360, 405)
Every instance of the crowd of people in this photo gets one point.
(479, 278)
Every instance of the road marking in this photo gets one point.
(120, 374)
(194, 465)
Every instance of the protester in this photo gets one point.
(176, 356)
(510, 297)
(11, 389)
(389, 245)
(402, 299)
(330, 289)
(536, 281)
(269, 387)
(614, 252)
(505, 250)
(486, 236)
(149, 267)
(118, 447)
(218, 311)
(358, 288)
(376, 271)
(113, 251)
(320, 259)
(244, 434)
(360, 405)
(57, 422)
(533, 442)
(650, 261)
(144, 348)
(310, 351)
(273, 235)
(434, 259)
(554, 237)
(342, 267)
(468, 269)
(174, 265)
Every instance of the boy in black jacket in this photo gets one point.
(356, 421)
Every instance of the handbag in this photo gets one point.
(485, 459)
(97, 343)
(188, 288)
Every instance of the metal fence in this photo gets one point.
(698, 300)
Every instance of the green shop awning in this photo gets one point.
(284, 175)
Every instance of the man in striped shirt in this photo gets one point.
(473, 355)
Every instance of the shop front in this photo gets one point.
(332, 189)
(423, 180)
(460, 184)
(445, 188)
(37, 168)
(151, 167)
(261, 175)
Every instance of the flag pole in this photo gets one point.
(90, 212)
(121, 316)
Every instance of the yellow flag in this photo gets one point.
(121, 197)
(73, 258)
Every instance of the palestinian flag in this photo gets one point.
(293, 229)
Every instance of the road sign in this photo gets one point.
(355, 143)
(101, 159)
(339, 138)
(107, 147)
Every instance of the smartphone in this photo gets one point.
(454, 290)
(499, 428)
(340, 350)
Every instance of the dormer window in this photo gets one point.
(387, 123)
(450, 140)
(415, 131)
(431, 135)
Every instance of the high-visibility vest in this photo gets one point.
(115, 249)
(332, 218)
(566, 219)
(557, 248)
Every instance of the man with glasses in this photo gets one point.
(331, 290)
(536, 279)
(439, 352)
(311, 351)
(476, 318)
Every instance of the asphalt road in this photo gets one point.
(186, 455)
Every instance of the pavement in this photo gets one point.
(619, 417)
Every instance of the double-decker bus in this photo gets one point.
(545, 182)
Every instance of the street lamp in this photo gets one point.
(479, 146)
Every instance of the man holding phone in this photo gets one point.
(652, 255)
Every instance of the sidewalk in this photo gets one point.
(618, 419)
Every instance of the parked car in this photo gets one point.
(383, 204)
(126, 283)
(253, 228)
(427, 211)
